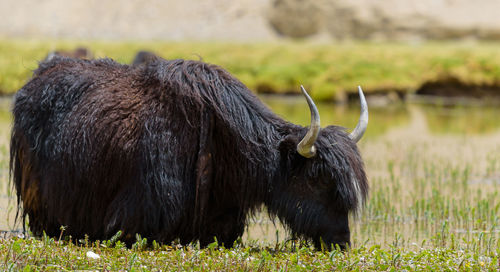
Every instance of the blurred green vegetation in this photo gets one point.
(327, 70)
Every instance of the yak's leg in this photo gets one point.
(26, 179)
(227, 225)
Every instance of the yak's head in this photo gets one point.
(324, 180)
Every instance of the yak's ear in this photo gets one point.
(290, 159)
(288, 148)
(288, 143)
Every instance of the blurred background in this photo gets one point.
(248, 20)
(331, 46)
(430, 70)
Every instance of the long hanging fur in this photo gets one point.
(171, 149)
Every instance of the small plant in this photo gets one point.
(112, 240)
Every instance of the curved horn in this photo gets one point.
(306, 146)
(360, 129)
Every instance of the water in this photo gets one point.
(434, 173)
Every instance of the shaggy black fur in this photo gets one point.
(172, 149)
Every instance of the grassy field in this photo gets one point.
(327, 70)
(434, 206)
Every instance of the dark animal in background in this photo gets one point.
(78, 53)
(176, 149)
(144, 57)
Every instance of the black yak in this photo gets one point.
(174, 150)
(144, 57)
(79, 53)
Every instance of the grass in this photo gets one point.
(50, 254)
(434, 206)
(327, 70)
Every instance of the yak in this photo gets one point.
(144, 57)
(176, 151)
(79, 53)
